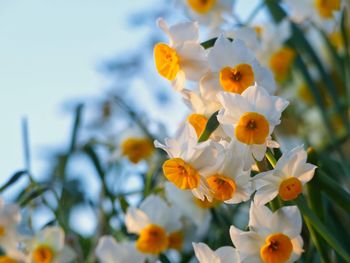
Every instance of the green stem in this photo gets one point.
(321, 228)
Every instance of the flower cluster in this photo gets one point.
(237, 92)
(46, 246)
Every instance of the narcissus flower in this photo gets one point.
(202, 109)
(272, 237)
(155, 223)
(230, 183)
(234, 68)
(109, 251)
(189, 160)
(222, 255)
(9, 218)
(286, 179)
(274, 53)
(193, 210)
(183, 58)
(137, 149)
(250, 118)
(211, 13)
(319, 11)
(48, 247)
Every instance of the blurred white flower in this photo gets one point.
(222, 255)
(9, 219)
(286, 179)
(156, 223)
(274, 53)
(321, 12)
(250, 118)
(183, 58)
(191, 208)
(211, 13)
(272, 237)
(109, 251)
(49, 246)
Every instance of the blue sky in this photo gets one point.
(49, 54)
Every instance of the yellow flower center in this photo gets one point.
(42, 254)
(153, 240)
(182, 174)
(167, 61)
(277, 249)
(201, 6)
(198, 122)
(281, 63)
(176, 240)
(236, 79)
(137, 149)
(326, 7)
(290, 188)
(222, 186)
(2, 231)
(205, 204)
(6, 259)
(252, 128)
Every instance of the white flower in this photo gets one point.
(202, 109)
(9, 219)
(321, 12)
(48, 246)
(211, 13)
(286, 179)
(230, 183)
(109, 251)
(155, 222)
(274, 53)
(234, 68)
(190, 207)
(183, 58)
(250, 118)
(271, 236)
(13, 255)
(189, 160)
(222, 255)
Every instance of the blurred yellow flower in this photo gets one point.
(137, 149)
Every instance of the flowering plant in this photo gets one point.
(263, 148)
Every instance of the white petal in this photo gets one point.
(193, 60)
(259, 217)
(265, 194)
(204, 254)
(287, 220)
(136, 220)
(227, 254)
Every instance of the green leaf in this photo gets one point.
(35, 193)
(211, 126)
(333, 190)
(321, 228)
(14, 178)
(164, 259)
(123, 204)
(209, 43)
